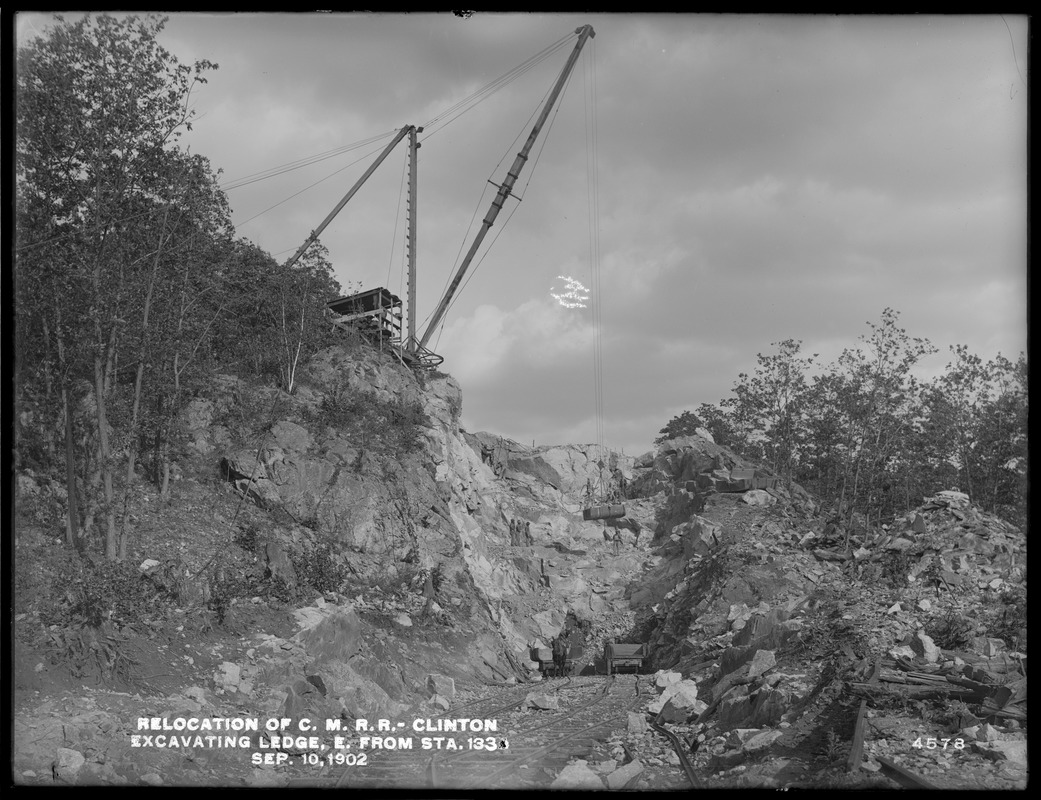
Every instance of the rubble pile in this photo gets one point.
(777, 616)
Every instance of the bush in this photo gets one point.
(89, 593)
(1008, 623)
(952, 631)
(394, 427)
(320, 568)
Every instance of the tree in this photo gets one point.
(976, 414)
(685, 424)
(714, 419)
(301, 320)
(100, 106)
(769, 404)
(880, 397)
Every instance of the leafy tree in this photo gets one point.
(100, 106)
(769, 404)
(685, 424)
(714, 419)
(881, 398)
(975, 414)
(301, 323)
(868, 437)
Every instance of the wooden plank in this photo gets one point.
(856, 752)
(917, 692)
(904, 776)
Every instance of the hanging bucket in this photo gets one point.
(603, 512)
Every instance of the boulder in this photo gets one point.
(441, 685)
(228, 676)
(762, 661)
(923, 646)
(637, 724)
(680, 702)
(621, 777)
(1012, 752)
(279, 565)
(758, 497)
(67, 763)
(761, 741)
(577, 775)
(290, 437)
(541, 702)
(304, 700)
(440, 702)
(664, 678)
(768, 708)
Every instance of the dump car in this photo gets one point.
(544, 657)
(619, 656)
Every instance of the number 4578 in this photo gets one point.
(932, 744)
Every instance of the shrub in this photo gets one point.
(89, 593)
(394, 426)
(952, 631)
(320, 568)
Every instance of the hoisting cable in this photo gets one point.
(467, 104)
(592, 186)
(543, 140)
(509, 214)
(301, 162)
(311, 186)
(482, 203)
(435, 125)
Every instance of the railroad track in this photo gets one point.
(681, 752)
(509, 757)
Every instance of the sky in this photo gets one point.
(718, 183)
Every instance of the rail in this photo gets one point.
(681, 751)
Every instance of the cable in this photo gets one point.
(301, 162)
(295, 194)
(592, 184)
(485, 92)
(543, 140)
